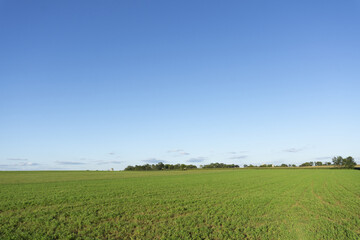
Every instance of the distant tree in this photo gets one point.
(129, 168)
(220, 165)
(349, 162)
(191, 166)
(318, 164)
(341, 162)
(148, 167)
(338, 161)
(306, 164)
(160, 166)
(266, 165)
(283, 165)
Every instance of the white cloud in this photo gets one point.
(239, 157)
(17, 159)
(153, 160)
(195, 160)
(294, 150)
(70, 163)
(180, 152)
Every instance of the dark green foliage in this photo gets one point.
(160, 166)
(349, 162)
(250, 166)
(306, 164)
(266, 165)
(220, 165)
(341, 162)
(338, 161)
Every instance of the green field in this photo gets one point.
(197, 204)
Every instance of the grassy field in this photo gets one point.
(198, 204)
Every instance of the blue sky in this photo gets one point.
(100, 84)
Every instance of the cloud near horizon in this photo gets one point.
(17, 159)
(239, 157)
(195, 160)
(21, 164)
(293, 150)
(178, 151)
(69, 163)
(109, 162)
(153, 160)
(237, 152)
(322, 158)
(28, 164)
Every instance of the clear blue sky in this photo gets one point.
(100, 84)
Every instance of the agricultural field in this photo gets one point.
(193, 204)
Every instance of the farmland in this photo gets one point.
(193, 204)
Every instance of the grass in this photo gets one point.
(198, 204)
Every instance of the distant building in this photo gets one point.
(111, 169)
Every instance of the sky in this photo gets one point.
(106, 84)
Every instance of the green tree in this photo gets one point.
(349, 162)
(306, 164)
(338, 161)
(160, 166)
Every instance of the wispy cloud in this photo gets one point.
(153, 160)
(70, 163)
(17, 159)
(175, 150)
(293, 150)
(20, 164)
(195, 160)
(179, 152)
(237, 152)
(184, 153)
(239, 157)
(322, 158)
(109, 162)
(28, 164)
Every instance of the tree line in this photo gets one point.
(337, 162)
(160, 166)
(219, 165)
(340, 162)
